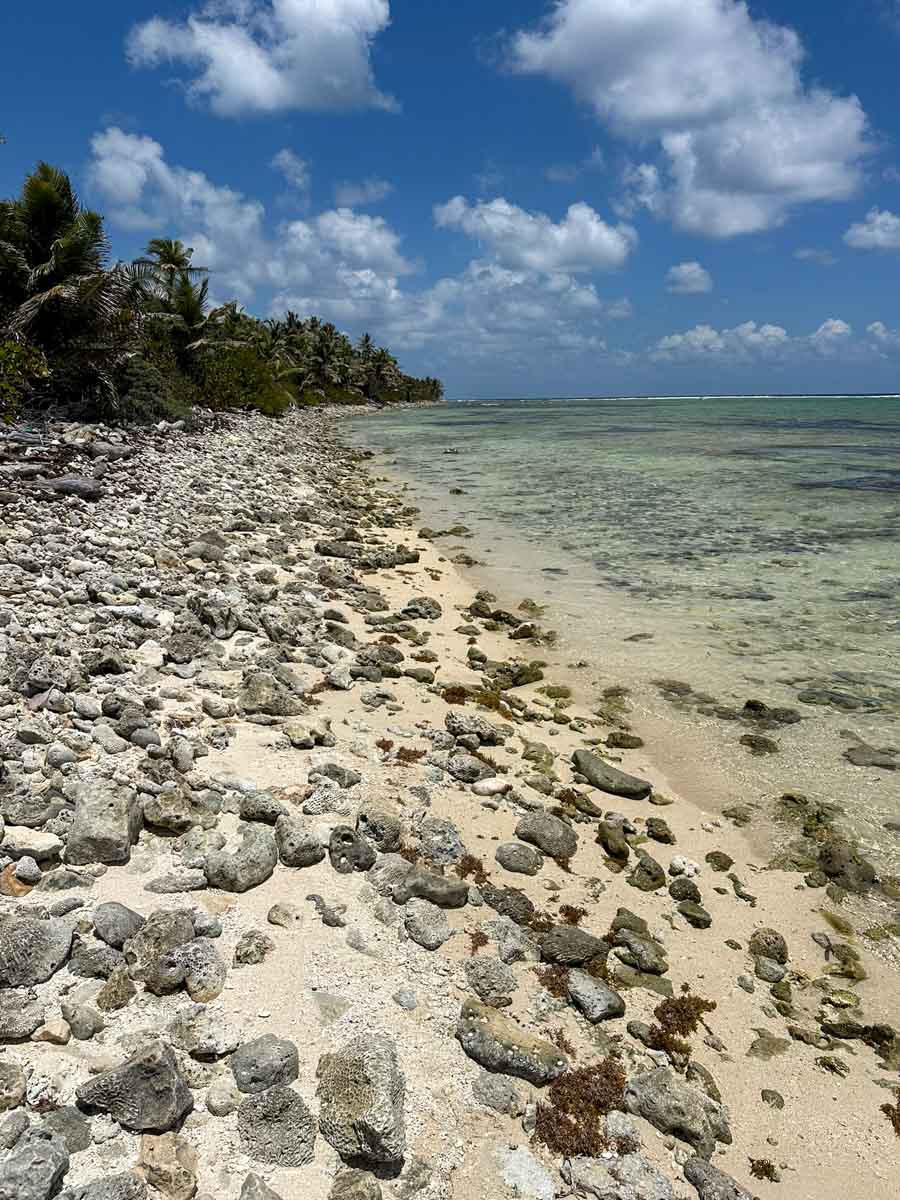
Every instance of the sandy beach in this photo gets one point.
(239, 635)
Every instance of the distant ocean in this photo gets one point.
(757, 539)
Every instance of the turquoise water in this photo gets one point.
(760, 533)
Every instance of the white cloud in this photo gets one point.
(354, 195)
(741, 343)
(742, 139)
(879, 231)
(771, 344)
(581, 241)
(265, 56)
(822, 258)
(688, 278)
(228, 230)
(293, 168)
(349, 267)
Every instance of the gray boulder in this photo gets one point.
(127, 1186)
(115, 923)
(607, 778)
(31, 951)
(275, 1126)
(250, 865)
(570, 946)
(297, 845)
(349, 851)
(491, 980)
(106, 823)
(351, 1184)
(519, 858)
(711, 1183)
(35, 1168)
(361, 1095)
(551, 835)
(672, 1106)
(253, 1188)
(262, 1063)
(593, 998)
(146, 950)
(146, 1094)
(426, 924)
(21, 1013)
(497, 1044)
(380, 828)
(630, 1177)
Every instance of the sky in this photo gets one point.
(523, 197)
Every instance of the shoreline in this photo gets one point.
(300, 582)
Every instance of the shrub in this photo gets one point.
(236, 377)
(21, 367)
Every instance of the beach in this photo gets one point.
(407, 834)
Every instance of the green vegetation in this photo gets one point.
(138, 341)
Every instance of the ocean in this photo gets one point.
(744, 547)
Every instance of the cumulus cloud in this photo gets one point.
(741, 138)
(349, 267)
(771, 344)
(355, 195)
(688, 279)
(879, 231)
(581, 241)
(265, 56)
(294, 169)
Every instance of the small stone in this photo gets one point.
(252, 948)
(275, 1126)
(169, 1164)
(264, 1062)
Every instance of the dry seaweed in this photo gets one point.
(569, 1124)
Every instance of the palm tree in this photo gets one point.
(57, 290)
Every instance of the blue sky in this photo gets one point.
(525, 198)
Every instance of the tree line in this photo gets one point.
(139, 341)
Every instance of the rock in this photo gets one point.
(513, 943)
(491, 980)
(253, 1188)
(642, 953)
(31, 951)
(106, 823)
(711, 1183)
(203, 1033)
(519, 858)
(92, 959)
(768, 943)
(773, 1099)
(252, 948)
(251, 865)
(20, 842)
(768, 970)
(426, 924)
(203, 971)
(629, 1177)
(499, 1093)
(262, 1063)
(276, 1127)
(659, 831)
(127, 1186)
(551, 835)
(497, 1044)
(607, 778)
(223, 1098)
(593, 998)
(719, 860)
(695, 914)
(349, 851)
(523, 1175)
(381, 829)
(115, 923)
(145, 1094)
(571, 947)
(361, 1094)
(351, 1184)
(12, 1086)
(169, 1164)
(12, 1129)
(21, 1013)
(675, 1107)
(684, 888)
(304, 732)
(462, 724)
(440, 842)
(287, 916)
(648, 875)
(419, 884)
(35, 1168)
(54, 1033)
(146, 950)
(297, 845)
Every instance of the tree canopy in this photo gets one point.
(139, 340)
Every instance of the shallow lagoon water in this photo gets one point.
(756, 539)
